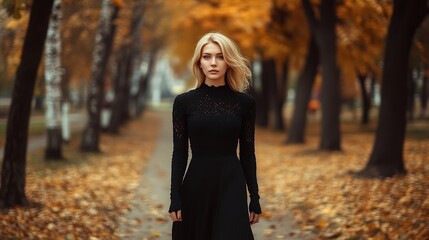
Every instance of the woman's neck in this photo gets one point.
(216, 83)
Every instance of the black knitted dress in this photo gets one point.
(212, 195)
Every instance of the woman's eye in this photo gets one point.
(206, 57)
(220, 57)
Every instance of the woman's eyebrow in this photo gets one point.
(206, 53)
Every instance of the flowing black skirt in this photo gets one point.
(214, 201)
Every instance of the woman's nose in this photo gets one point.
(213, 61)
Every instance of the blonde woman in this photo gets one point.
(210, 202)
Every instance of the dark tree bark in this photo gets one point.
(268, 78)
(424, 96)
(133, 50)
(411, 95)
(144, 81)
(12, 188)
(387, 158)
(324, 33)
(126, 79)
(120, 88)
(103, 46)
(296, 132)
(281, 95)
(366, 98)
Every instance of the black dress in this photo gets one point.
(213, 196)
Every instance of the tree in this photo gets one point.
(281, 96)
(90, 139)
(12, 188)
(387, 158)
(296, 133)
(125, 62)
(325, 36)
(365, 96)
(53, 84)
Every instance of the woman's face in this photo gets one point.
(213, 63)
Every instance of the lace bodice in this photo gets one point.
(214, 120)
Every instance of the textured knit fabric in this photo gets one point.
(212, 195)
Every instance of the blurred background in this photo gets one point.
(341, 88)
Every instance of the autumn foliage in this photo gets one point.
(87, 195)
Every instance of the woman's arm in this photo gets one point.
(180, 152)
(247, 154)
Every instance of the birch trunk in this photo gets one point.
(90, 140)
(53, 85)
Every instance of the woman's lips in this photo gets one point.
(213, 71)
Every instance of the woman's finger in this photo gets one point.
(179, 215)
(254, 218)
(173, 216)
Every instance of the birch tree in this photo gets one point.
(53, 85)
(90, 140)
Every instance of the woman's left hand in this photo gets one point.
(254, 218)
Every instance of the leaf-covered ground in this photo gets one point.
(326, 200)
(82, 197)
(86, 196)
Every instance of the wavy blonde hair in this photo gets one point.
(238, 74)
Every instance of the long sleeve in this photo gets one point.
(180, 152)
(247, 155)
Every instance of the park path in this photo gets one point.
(148, 217)
(77, 122)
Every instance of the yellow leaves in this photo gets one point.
(315, 188)
(85, 196)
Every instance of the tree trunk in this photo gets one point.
(12, 188)
(133, 51)
(53, 85)
(424, 96)
(65, 106)
(411, 95)
(146, 78)
(267, 79)
(90, 140)
(324, 32)
(120, 87)
(126, 79)
(281, 95)
(386, 158)
(366, 98)
(296, 132)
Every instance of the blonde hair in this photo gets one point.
(238, 74)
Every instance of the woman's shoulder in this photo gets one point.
(246, 98)
(184, 97)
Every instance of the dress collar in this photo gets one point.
(204, 85)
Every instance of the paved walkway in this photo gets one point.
(148, 218)
(77, 122)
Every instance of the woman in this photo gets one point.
(211, 201)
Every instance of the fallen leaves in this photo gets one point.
(317, 188)
(84, 196)
(88, 195)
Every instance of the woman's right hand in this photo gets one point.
(176, 216)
